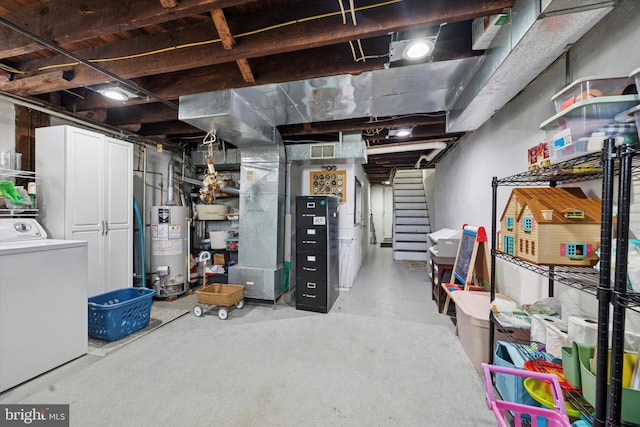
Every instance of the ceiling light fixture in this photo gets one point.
(114, 93)
(400, 132)
(418, 49)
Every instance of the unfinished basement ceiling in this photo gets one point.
(171, 48)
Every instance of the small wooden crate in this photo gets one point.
(220, 295)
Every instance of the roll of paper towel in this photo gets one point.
(550, 331)
(556, 339)
(583, 330)
(541, 323)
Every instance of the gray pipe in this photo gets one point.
(170, 200)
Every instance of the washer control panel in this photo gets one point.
(19, 229)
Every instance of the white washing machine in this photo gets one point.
(43, 301)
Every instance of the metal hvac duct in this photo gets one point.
(246, 118)
(470, 89)
(538, 32)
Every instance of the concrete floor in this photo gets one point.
(382, 356)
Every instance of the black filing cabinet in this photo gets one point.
(317, 253)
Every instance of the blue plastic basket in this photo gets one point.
(118, 313)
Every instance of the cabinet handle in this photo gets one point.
(106, 227)
(308, 269)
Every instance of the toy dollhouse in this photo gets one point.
(551, 226)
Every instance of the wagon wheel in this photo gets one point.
(223, 313)
(240, 304)
(197, 310)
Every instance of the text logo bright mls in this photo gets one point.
(34, 415)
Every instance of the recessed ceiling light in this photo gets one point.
(115, 94)
(400, 132)
(417, 49)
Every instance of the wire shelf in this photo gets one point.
(583, 278)
(583, 168)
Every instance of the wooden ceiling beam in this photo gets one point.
(373, 22)
(71, 21)
(168, 4)
(220, 22)
(205, 79)
(346, 126)
(39, 83)
(134, 114)
(245, 70)
(228, 43)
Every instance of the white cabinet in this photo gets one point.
(87, 194)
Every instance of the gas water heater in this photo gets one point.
(169, 263)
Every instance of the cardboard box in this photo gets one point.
(538, 156)
(219, 259)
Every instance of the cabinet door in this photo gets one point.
(85, 199)
(118, 214)
(84, 185)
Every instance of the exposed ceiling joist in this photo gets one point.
(172, 48)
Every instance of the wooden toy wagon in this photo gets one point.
(219, 295)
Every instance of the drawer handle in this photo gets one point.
(309, 269)
(308, 296)
(311, 285)
(309, 242)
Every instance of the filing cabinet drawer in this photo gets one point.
(312, 265)
(311, 239)
(311, 293)
(309, 208)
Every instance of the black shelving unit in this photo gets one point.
(605, 165)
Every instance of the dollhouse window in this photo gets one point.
(509, 222)
(574, 214)
(576, 250)
(527, 223)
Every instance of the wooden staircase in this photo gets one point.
(410, 216)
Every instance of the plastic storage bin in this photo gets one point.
(568, 132)
(571, 363)
(635, 74)
(635, 112)
(472, 314)
(630, 401)
(232, 244)
(118, 313)
(511, 387)
(212, 212)
(587, 88)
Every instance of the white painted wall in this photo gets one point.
(429, 184)
(353, 233)
(499, 147)
(7, 127)
(376, 197)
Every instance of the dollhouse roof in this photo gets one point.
(559, 201)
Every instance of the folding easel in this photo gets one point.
(472, 266)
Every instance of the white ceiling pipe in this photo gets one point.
(432, 145)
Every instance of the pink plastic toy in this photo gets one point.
(556, 417)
